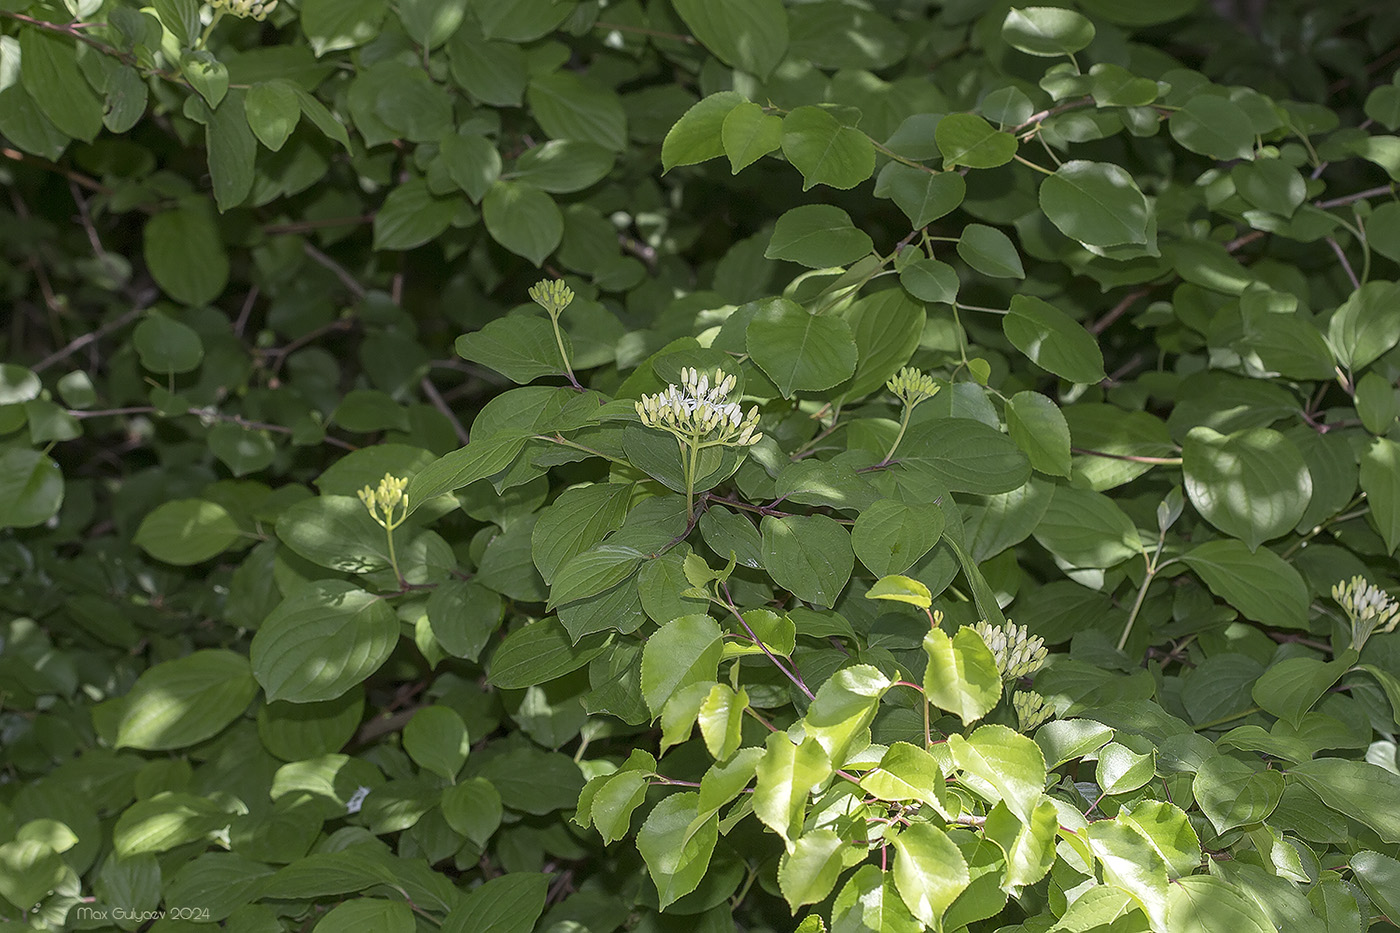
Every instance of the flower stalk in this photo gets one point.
(382, 502)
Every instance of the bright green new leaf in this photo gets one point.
(809, 872)
(901, 589)
(786, 774)
(682, 652)
(1005, 765)
(870, 903)
(1232, 793)
(676, 841)
(1167, 827)
(843, 709)
(962, 675)
(1131, 864)
(1205, 904)
(1029, 847)
(929, 871)
(721, 719)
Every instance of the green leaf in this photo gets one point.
(185, 253)
(889, 536)
(472, 163)
(824, 151)
(922, 194)
(299, 731)
(49, 72)
(562, 166)
(1289, 688)
(1259, 583)
(187, 531)
(430, 23)
(1271, 185)
(522, 20)
(1215, 127)
(1029, 847)
(1066, 739)
(1359, 789)
(807, 874)
(1380, 480)
(817, 236)
(1087, 529)
(332, 25)
(166, 345)
(1053, 340)
(676, 841)
(682, 652)
(990, 252)
(1096, 203)
(324, 638)
(1252, 484)
(869, 903)
(929, 871)
(30, 870)
(1379, 877)
(1038, 427)
(901, 589)
(569, 106)
(463, 615)
(800, 352)
(478, 460)
(751, 35)
(494, 73)
(961, 455)
(510, 903)
(31, 488)
(436, 739)
(367, 913)
(785, 776)
(593, 571)
(523, 219)
(887, 327)
(1010, 764)
(698, 135)
(322, 119)
(1204, 904)
(1046, 31)
(1232, 793)
(165, 821)
(206, 74)
(539, 652)
(412, 215)
(1132, 865)
(242, 450)
(1365, 326)
(907, 772)
(968, 140)
(930, 280)
(1120, 769)
(520, 347)
(273, 110)
(748, 134)
(335, 532)
(844, 707)
(721, 719)
(576, 521)
(808, 555)
(962, 675)
(178, 703)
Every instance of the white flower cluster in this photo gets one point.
(1018, 653)
(1031, 709)
(699, 411)
(254, 9)
(1369, 607)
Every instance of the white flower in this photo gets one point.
(698, 410)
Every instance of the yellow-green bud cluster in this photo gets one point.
(552, 295)
(1368, 607)
(698, 410)
(382, 501)
(1031, 709)
(248, 9)
(1018, 653)
(912, 387)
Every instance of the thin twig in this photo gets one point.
(1117, 311)
(436, 398)
(1352, 198)
(306, 226)
(643, 31)
(243, 313)
(1342, 257)
(204, 413)
(340, 272)
(1168, 461)
(92, 337)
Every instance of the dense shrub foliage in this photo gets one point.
(573, 465)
